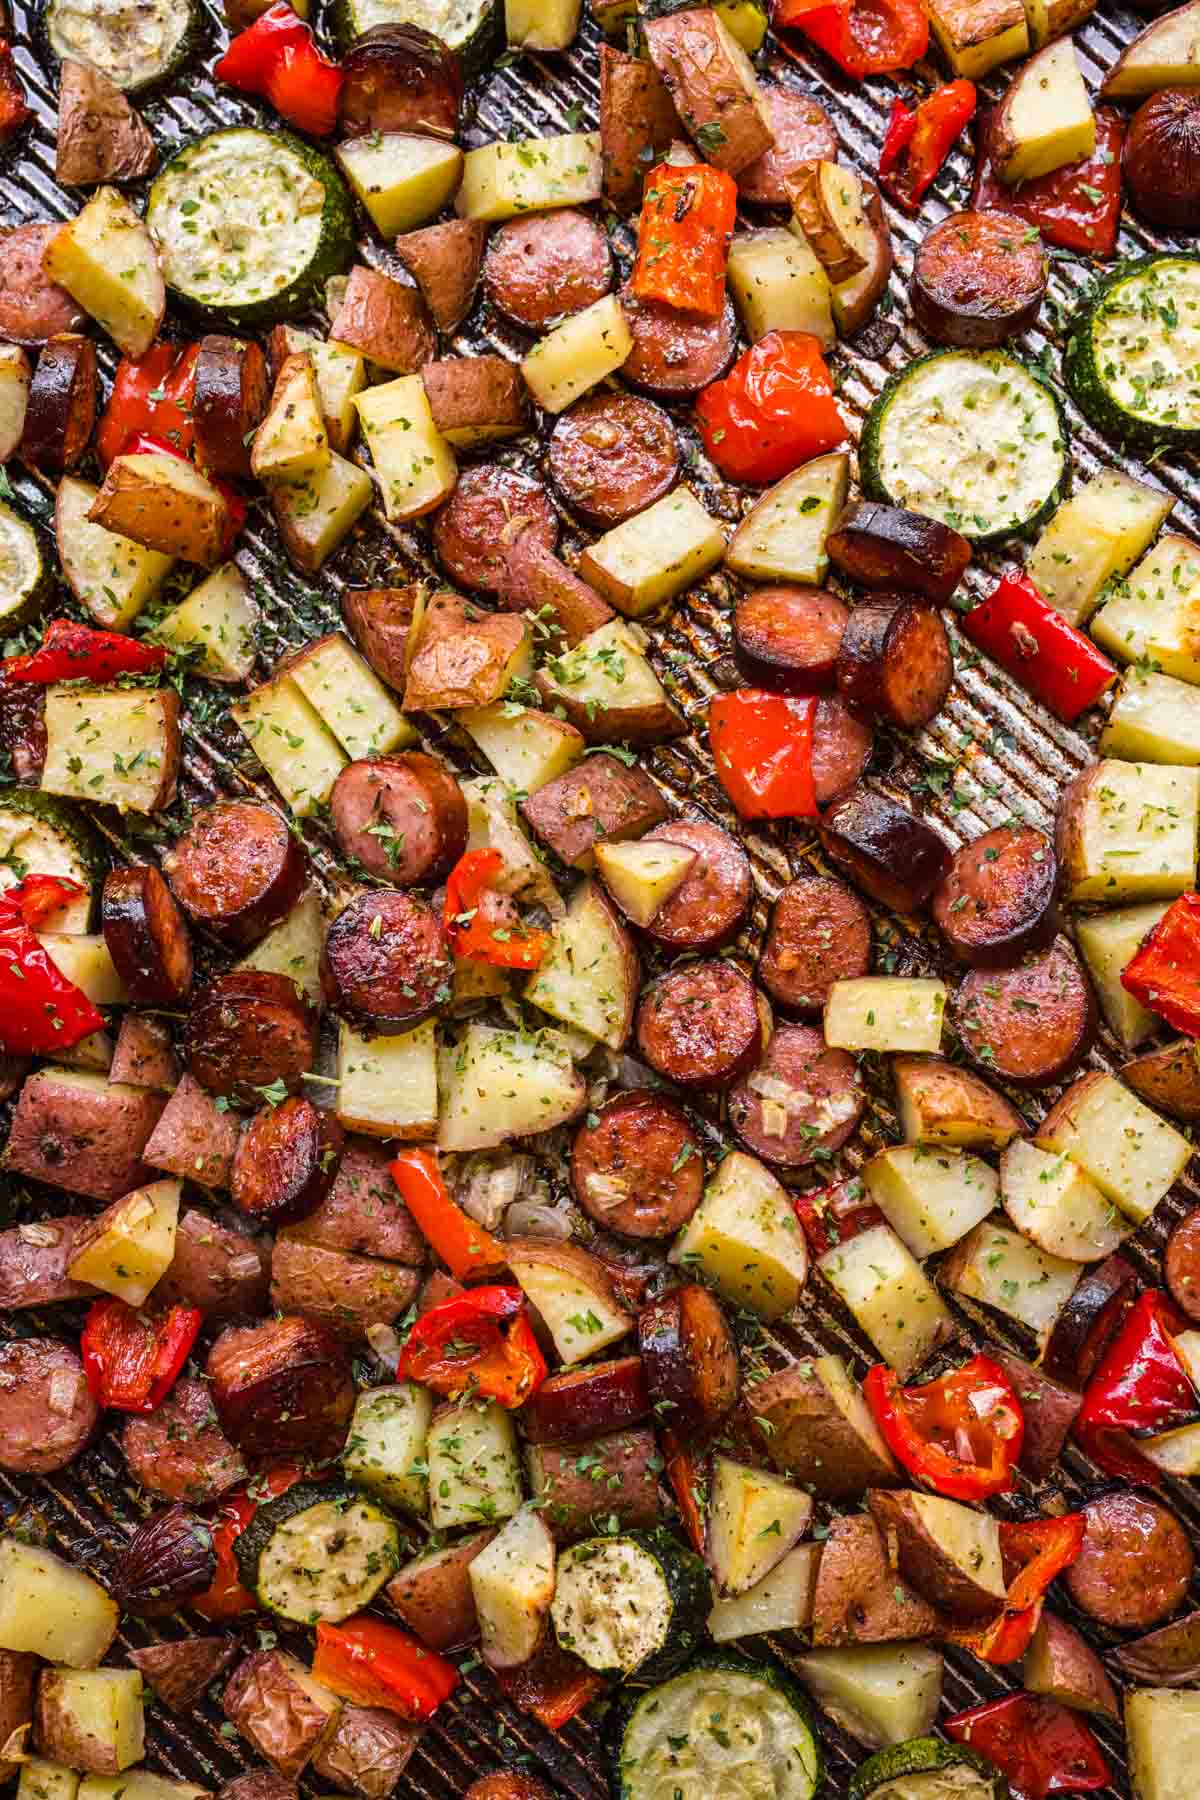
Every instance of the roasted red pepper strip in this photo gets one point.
(552, 1685)
(373, 1664)
(152, 395)
(1042, 1747)
(961, 1435)
(71, 652)
(144, 443)
(683, 1474)
(1077, 207)
(684, 232)
(277, 58)
(482, 923)
(481, 1342)
(41, 1012)
(132, 1358)
(226, 1598)
(773, 411)
(913, 153)
(762, 750)
(14, 111)
(864, 37)
(465, 1247)
(834, 1215)
(1140, 1385)
(1034, 1552)
(1165, 973)
(1035, 644)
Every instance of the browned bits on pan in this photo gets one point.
(282, 1386)
(894, 661)
(402, 818)
(996, 900)
(894, 857)
(820, 932)
(385, 963)
(978, 279)
(485, 513)
(229, 400)
(61, 408)
(710, 907)
(1031, 1024)
(613, 455)
(247, 1031)
(1136, 1562)
(690, 1359)
(802, 1102)
(285, 1162)
(237, 869)
(147, 937)
(699, 1026)
(788, 638)
(637, 1167)
(550, 263)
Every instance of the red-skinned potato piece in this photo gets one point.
(1060, 1664)
(578, 1404)
(179, 1671)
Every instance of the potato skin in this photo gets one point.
(366, 1753)
(18, 1672)
(433, 1594)
(1059, 1663)
(954, 1106)
(88, 1143)
(925, 1561)
(858, 1598)
(275, 1714)
(812, 1440)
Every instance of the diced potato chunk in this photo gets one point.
(1003, 1269)
(114, 578)
(402, 179)
(781, 1601)
(782, 537)
(347, 695)
(1098, 533)
(745, 1238)
(577, 353)
(93, 1716)
(414, 463)
(474, 1467)
(880, 1693)
(293, 948)
(315, 514)
(1131, 1154)
(51, 1608)
(43, 1780)
(386, 1445)
(1130, 834)
(642, 876)
(120, 745)
(389, 1085)
(655, 555)
(218, 621)
(1156, 719)
(777, 284)
(1052, 1202)
(930, 1196)
(503, 180)
(85, 960)
(975, 38)
(1154, 613)
(570, 1290)
(754, 1518)
(499, 1084)
(107, 261)
(1045, 121)
(300, 755)
(883, 1285)
(133, 1245)
(292, 441)
(885, 1012)
(1109, 941)
(589, 975)
(526, 747)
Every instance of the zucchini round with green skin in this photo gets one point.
(135, 46)
(725, 1729)
(250, 225)
(925, 1768)
(974, 438)
(472, 27)
(631, 1605)
(1132, 361)
(319, 1551)
(24, 571)
(40, 834)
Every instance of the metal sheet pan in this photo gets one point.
(991, 753)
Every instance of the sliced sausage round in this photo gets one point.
(997, 898)
(179, 1449)
(286, 1161)
(385, 964)
(1031, 1024)
(403, 817)
(895, 660)
(690, 1359)
(699, 1026)
(675, 354)
(61, 408)
(803, 133)
(47, 1414)
(1136, 1562)
(893, 856)
(1181, 1265)
(802, 1101)
(978, 278)
(282, 1386)
(637, 1167)
(710, 906)
(237, 869)
(787, 638)
(890, 547)
(841, 748)
(486, 511)
(33, 308)
(229, 400)
(820, 932)
(545, 265)
(146, 936)
(613, 455)
(248, 1030)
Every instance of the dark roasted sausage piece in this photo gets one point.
(147, 937)
(978, 279)
(248, 1030)
(489, 506)
(894, 857)
(61, 408)
(581, 1487)
(577, 1404)
(33, 309)
(690, 1359)
(709, 908)
(23, 726)
(1031, 1024)
(229, 402)
(402, 817)
(285, 1162)
(675, 354)
(637, 1167)
(281, 1386)
(549, 263)
(47, 1414)
(601, 800)
(34, 1259)
(1136, 1562)
(385, 962)
(699, 1025)
(895, 661)
(613, 455)
(237, 869)
(400, 78)
(996, 900)
(1089, 1321)
(841, 748)
(535, 580)
(803, 133)
(820, 932)
(889, 547)
(179, 1449)
(1181, 1265)
(787, 638)
(803, 1100)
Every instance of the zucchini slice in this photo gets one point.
(925, 1768)
(1132, 360)
(974, 438)
(41, 834)
(724, 1729)
(320, 1551)
(472, 27)
(250, 225)
(631, 1605)
(136, 46)
(24, 574)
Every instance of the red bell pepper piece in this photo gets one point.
(277, 58)
(864, 37)
(917, 144)
(14, 112)
(481, 1342)
(834, 1215)
(153, 394)
(773, 411)
(1165, 973)
(482, 923)
(1042, 1747)
(1034, 1552)
(762, 751)
(1140, 1385)
(145, 443)
(465, 1247)
(1077, 207)
(72, 652)
(41, 1012)
(961, 1434)
(1034, 643)
(132, 1358)
(684, 232)
(683, 1475)
(373, 1664)
(552, 1685)
(226, 1598)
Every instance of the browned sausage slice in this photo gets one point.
(802, 1101)
(613, 455)
(33, 308)
(400, 78)
(581, 1488)
(285, 1162)
(402, 817)
(61, 408)
(996, 900)
(788, 638)
(385, 963)
(1031, 1024)
(229, 401)
(547, 264)
(690, 1359)
(637, 1167)
(889, 547)
(578, 1404)
(820, 932)
(699, 1026)
(894, 857)
(146, 936)
(803, 133)
(179, 1449)
(841, 748)
(34, 1259)
(282, 1386)
(1089, 1321)
(978, 278)
(247, 1031)
(1181, 1265)
(486, 511)
(47, 1414)
(710, 907)
(237, 869)
(675, 354)
(895, 661)
(1136, 1562)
